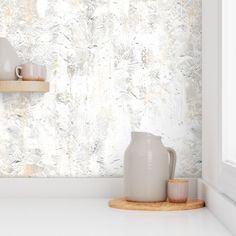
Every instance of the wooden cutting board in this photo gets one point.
(155, 206)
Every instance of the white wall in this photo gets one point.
(210, 190)
(211, 72)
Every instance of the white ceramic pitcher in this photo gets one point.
(148, 165)
(8, 60)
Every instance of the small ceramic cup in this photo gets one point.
(31, 72)
(178, 190)
(42, 72)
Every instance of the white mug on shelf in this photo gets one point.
(42, 72)
(31, 72)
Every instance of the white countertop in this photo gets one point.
(92, 217)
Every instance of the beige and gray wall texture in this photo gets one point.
(114, 67)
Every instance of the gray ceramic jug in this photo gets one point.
(8, 60)
(148, 165)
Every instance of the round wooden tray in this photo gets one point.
(155, 206)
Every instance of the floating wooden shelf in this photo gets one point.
(156, 206)
(10, 86)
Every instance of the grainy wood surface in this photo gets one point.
(24, 86)
(156, 206)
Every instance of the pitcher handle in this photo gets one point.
(172, 155)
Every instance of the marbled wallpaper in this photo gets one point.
(114, 66)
